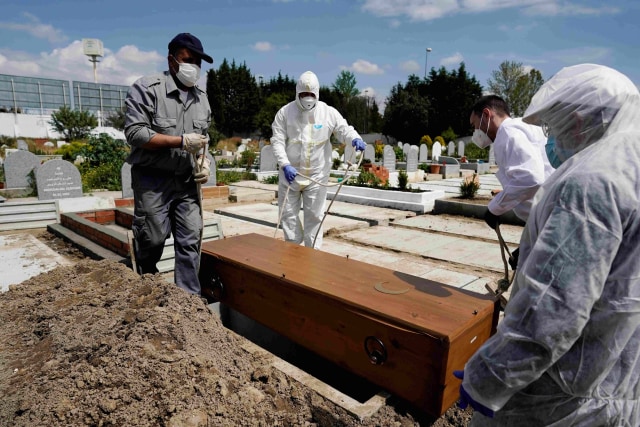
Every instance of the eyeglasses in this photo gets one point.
(546, 130)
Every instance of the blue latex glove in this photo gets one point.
(466, 400)
(290, 173)
(359, 144)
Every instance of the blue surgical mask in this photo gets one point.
(550, 148)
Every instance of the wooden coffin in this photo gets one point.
(404, 333)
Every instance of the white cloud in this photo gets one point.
(410, 66)
(364, 67)
(581, 55)
(69, 63)
(452, 61)
(263, 46)
(427, 10)
(34, 27)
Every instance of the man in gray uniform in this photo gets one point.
(166, 126)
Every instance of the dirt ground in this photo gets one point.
(96, 345)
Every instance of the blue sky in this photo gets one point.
(381, 41)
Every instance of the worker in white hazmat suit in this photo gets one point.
(520, 156)
(567, 352)
(301, 143)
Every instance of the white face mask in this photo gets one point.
(308, 102)
(188, 74)
(480, 137)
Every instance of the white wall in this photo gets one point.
(27, 126)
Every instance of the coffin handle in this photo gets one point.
(375, 349)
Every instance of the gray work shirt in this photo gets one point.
(154, 106)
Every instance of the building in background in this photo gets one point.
(26, 103)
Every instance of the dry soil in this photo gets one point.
(96, 345)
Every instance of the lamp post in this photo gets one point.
(366, 113)
(425, 62)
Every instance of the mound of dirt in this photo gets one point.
(97, 345)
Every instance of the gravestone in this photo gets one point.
(370, 153)
(451, 148)
(350, 153)
(389, 158)
(212, 167)
(58, 179)
(460, 148)
(17, 167)
(405, 149)
(22, 145)
(400, 144)
(450, 167)
(268, 161)
(412, 159)
(260, 145)
(125, 179)
(436, 151)
(335, 155)
(423, 156)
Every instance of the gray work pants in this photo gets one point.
(167, 204)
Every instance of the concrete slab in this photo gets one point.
(451, 186)
(81, 204)
(267, 214)
(23, 256)
(461, 226)
(451, 249)
(372, 214)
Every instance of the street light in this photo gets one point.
(425, 62)
(366, 114)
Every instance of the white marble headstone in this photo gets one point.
(412, 159)
(389, 158)
(423, 155)
(436, 151)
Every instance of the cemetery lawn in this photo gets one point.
(96, 344)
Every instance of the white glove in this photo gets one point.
(204, 172)
(194, 142)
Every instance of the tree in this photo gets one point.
(451, 96)
(116, 119)
(232, 94)
(345, 85)
(267, 113)
(512, 83)
(407, 114)
(73, 124)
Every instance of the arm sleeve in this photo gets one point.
(342, 130)
(140, 109)
(279, 137)
(523, 170)
(559, 283)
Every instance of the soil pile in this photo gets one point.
(97, 345)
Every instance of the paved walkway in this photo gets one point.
(454, 250)
(458, 251)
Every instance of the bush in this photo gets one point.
(472, 151)
(273, 179)
(336, 163)
(469, 186)
(426, 139)
(226, 177)
(368, 178)
(379, 151)
(105, 176)
(247, 158)
(403, 179)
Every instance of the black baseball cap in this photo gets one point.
(192, 43)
